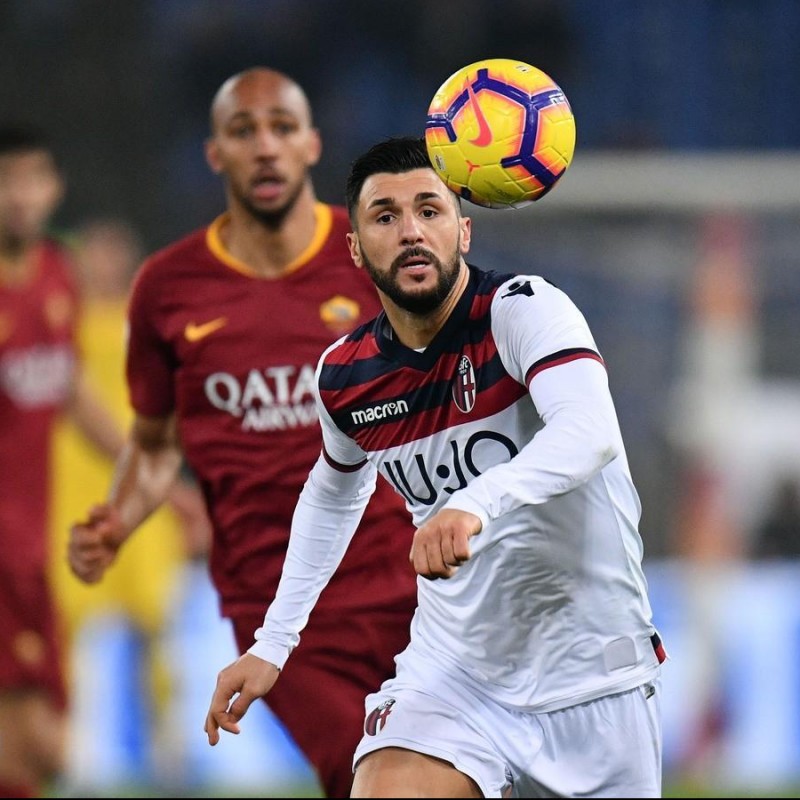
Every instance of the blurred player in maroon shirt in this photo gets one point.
(226, 327)
(39, 378)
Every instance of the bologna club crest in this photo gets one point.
(464, 386)
(376, 718)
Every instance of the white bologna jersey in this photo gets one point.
(506, 414)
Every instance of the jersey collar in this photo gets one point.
(449, 334)
(322, 229)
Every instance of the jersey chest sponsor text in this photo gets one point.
(37, 376)
(423, 477)
(274, 398)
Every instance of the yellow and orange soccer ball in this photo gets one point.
(500, 133)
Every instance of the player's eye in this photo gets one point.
(242, 131)
(429, 213)
(385, 218)
(284, 128)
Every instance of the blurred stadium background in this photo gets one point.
(677, 230)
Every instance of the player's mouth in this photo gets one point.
(415, 264)
(414, 260)
(267, 187)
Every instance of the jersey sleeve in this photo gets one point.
(339, 450)
(149, 363)
(325, 519)
(536, 325)
(545, 342)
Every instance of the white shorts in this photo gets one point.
(609, 747)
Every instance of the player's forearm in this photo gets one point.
(325, 519)
(142, 481)
(94, 421)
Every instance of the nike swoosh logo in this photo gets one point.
(484, 137)
(194, 332)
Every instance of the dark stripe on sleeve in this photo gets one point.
(342, 467)
(561, 357)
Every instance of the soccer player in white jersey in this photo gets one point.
(533, 667)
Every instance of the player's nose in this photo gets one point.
(410, 229)
(267, 144)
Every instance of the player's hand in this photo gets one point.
(441, 545)
(93, 544)
(250, 677)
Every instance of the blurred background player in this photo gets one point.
(226, 327)
(117, 630)
(39, 379)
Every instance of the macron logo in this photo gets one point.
(380, 411)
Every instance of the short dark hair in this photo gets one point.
(394, 155)
(23, 139)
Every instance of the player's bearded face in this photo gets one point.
(416, 300)
(30, 189)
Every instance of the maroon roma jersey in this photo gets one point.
(234, 355)
(37, 368)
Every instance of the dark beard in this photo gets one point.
(419, 303)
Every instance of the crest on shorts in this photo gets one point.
(376, 719)
(464, 386)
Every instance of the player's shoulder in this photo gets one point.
(58, 259)
(531, 299)
(493, 286)
(512, 289)
(340, 219)
(173, 258)
(334, 221)
(351, 358)
(57, 250)
(359, 343)
(178, 250)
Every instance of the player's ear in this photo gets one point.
(355, 249)
(212, 155)
(314, 147)
(465, 224)
(58, 189)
